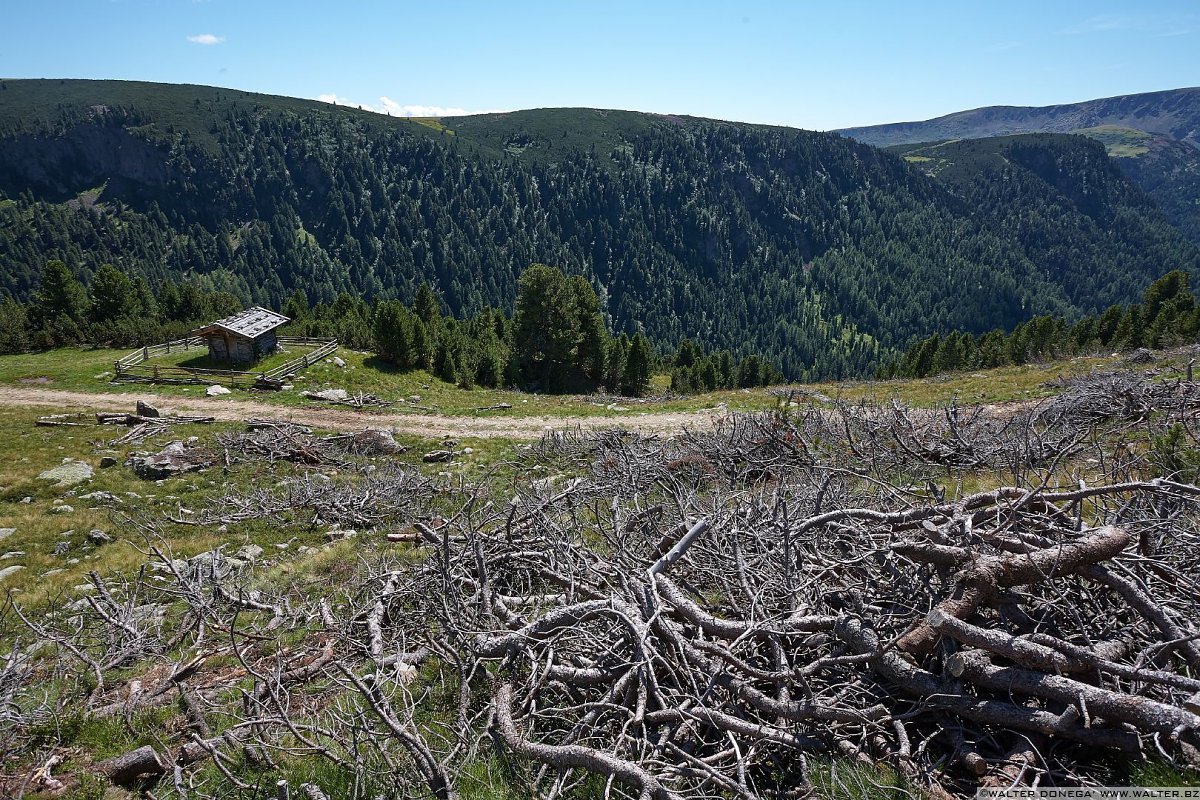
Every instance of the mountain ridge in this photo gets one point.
(1060, 118)
(815, 250)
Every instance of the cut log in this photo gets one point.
(125, 770)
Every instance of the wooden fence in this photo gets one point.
(134, 367)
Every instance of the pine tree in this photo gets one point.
(635, 381)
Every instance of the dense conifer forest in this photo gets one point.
(823, 255)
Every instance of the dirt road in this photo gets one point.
(335, 418)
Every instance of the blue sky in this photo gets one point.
(806, 64)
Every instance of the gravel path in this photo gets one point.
(335, 418)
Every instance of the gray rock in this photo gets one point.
(1140, 356)
(144, 409)
(63, 509)
(6, 532)
(340, 533)
(174, 459)
(97, 536)
(338, 362)
(438, 456)
(68, 474)
(374, 442)
(329, 395)
(215, 565)
(100, 497)
(54, 571)
(26, 500)
(8, 572)
(107, 461)
(61, 548)
(248, 552)
(216, 390)
(11, 554)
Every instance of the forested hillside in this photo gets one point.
(821, 253)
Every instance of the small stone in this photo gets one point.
(27, 500)
(466, 451)
(107, 462)
(11, 554)
(337, 533)
(133, 495)
(97, 536)
(338, 362)
(10, 571)
(438, 456)
(63, 509)
(61, 548)
(58, 502)
(216, 390)
(54, 571)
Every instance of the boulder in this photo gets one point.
(248, 552)
(216, 390)
(68, 473)
(107, 461)
(1141, 356)
(97, 536)
(144, 409)
(174, 459)
(338, 362)
(374, 442)
(215, 565)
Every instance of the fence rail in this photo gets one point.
(321, 348)
(134, 366)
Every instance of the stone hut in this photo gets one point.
(244, 337)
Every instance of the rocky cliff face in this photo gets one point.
(84, 158)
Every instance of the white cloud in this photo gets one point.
(1150, 24)
(387, 105)
(206, 39)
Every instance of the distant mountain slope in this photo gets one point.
(1155, 138)
(1175, 113)
(816, 250)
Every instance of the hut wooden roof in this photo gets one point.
(251, 323)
